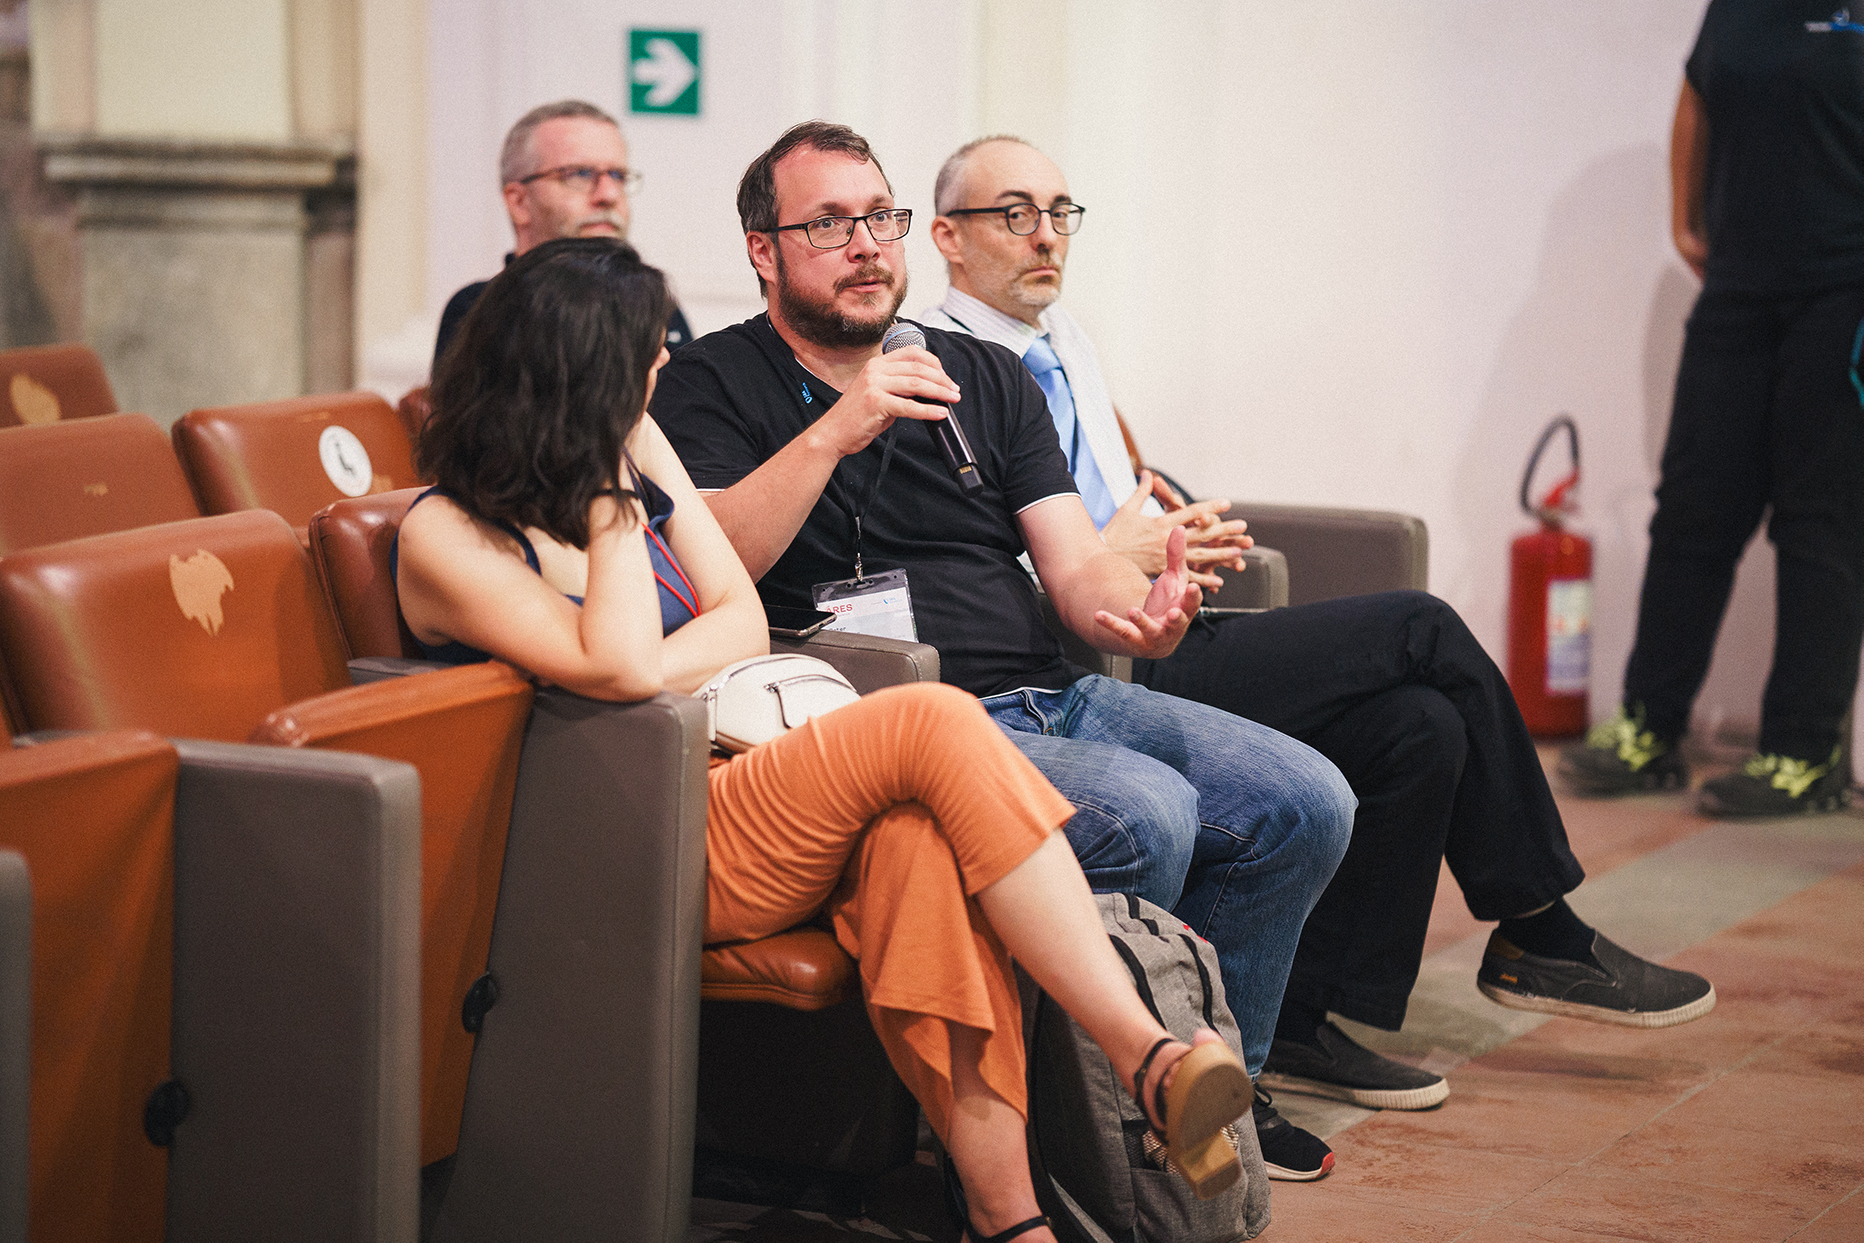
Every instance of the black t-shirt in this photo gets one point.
(459, 304)
(1782, 83)
(731, 400)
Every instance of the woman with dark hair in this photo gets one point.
(565, 538)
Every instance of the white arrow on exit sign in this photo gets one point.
(666, 72)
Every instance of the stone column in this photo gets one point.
(203, 281)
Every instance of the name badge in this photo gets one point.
(880, 605)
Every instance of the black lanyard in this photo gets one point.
(873, 493)
(891, 435)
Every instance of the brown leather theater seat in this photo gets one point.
(413, 408)
(788, 1067)
(15, 1042)
(47, 383)
(94, 818)
(61, 481)
(224, 1040)
(350, 540)
(294, 457)
(217, 628)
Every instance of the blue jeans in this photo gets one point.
(1232, 827)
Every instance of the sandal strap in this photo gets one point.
(1139, 1083)
(1003, 1236)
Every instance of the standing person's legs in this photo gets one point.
(1715, 483)
(1271, 819)
(1817, 527)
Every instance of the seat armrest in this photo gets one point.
(297, 988)
(1335, 552)
(1263, 583)
(579, 1113)
(866, 660)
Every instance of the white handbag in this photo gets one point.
(754, 700)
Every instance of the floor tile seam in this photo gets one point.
(1830, 1209)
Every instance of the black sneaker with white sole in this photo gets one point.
(1291, 1154)
(1342, 1070)
(1622, 988)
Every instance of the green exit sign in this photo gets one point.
(663, 72)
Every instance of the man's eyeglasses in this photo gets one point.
(1025, 218)
(833, 232)
(584, 178)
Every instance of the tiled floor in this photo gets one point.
(1745, 1125)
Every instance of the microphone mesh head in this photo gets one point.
(900, 336)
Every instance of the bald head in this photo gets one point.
(1019, 275)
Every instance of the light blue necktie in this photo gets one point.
(1042, 363)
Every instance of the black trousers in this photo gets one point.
(1399, 695)
(1767, 412)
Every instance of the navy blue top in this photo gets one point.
(679, 601)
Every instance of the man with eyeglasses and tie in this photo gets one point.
(806, 435)
(564, 168)
(1391, 687)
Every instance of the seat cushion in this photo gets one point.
(802, 969)
(195, 629)
(61, 481)
(294, 457)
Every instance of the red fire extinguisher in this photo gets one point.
(1550, 604)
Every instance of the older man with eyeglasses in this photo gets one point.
(1391, 687)
(564, 169)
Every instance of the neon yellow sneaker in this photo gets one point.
(1777, 785)
(1620, 756)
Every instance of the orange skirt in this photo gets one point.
(892, 814)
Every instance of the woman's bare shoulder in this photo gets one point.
(439, 527)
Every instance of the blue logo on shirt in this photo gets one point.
(1841, 20)
(807, 398)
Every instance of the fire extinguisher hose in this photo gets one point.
(1555, 497)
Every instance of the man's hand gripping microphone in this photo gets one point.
(946, 431)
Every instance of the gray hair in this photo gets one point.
(515, 157)
(950, 181)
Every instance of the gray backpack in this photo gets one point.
(1088, 1140)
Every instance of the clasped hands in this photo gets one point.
(1209, 541)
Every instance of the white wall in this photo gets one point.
(1355, 252)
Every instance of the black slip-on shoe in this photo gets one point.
(1343, 1070)
(1291, 1154)
(1623, 988)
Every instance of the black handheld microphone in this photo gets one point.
(946, 431)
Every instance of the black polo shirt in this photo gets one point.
(731, 400)
(1783, 87)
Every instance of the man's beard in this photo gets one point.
(824, 324)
